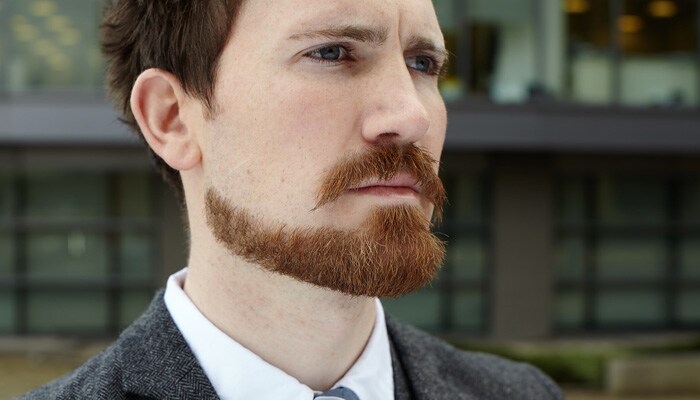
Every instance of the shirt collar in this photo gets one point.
(237, 373)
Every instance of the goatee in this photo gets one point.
(391, 254)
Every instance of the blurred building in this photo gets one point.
(572, 164)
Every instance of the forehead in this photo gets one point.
(406, 17)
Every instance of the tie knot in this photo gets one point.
(339, 393)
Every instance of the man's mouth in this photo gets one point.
(401, 185)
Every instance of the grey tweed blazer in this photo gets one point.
(151, 360)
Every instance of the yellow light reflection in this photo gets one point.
(630, 24)
(663, 9)
(43, 8)
(576, 6)
(57, 23)
(59, 62)
(44, 47)
(22, 29)
(69, 37)
(18, 20)
(25, 33)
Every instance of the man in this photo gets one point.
(304, 137)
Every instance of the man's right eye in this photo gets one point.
(329, 54)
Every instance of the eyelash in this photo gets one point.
(346, 54)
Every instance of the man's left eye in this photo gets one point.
(424, 64)
(329, 54)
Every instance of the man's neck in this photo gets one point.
(312, 334)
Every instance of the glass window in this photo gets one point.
(629, 265)
(466, 256)
(76, 255)
(689, 307)
(590, 67)
(421, 308)
(7, 194)
(572, 201)
(131, 304)
(631, 200)
(659, 45)
(569, 309)
(448, 12)
(466, 200)
(136, 255)
(467, 248)
(630, 308)
(691, 201)
(690, 258)
(7, 311)
(630, 259)
(135, 197)
(503, 44)
(75, 228)
(570, 258)
(7, 255)
(63, 311)
(50, 44)
(62, 195)
(468, 311)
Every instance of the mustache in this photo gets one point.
(383, 162)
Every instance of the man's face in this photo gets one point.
(305, 84)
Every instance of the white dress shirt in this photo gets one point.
(237, 373)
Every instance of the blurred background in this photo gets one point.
(572, 164)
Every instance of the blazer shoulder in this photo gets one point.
(104, 376)
(98, 378)
(470, 375)
(150, 359)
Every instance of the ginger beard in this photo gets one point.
(392, 253)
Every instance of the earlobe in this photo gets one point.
(157, 101)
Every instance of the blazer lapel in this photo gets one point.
(418, 371)
(402, 389)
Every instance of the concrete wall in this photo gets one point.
(522, 232)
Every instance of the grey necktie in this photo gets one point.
(339, 393)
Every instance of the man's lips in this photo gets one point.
(400, 185)
(386, 191)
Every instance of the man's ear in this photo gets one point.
(157, 101)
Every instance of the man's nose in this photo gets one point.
(394, 110)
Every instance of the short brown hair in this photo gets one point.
(183, 37)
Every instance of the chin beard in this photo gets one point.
(391, 254)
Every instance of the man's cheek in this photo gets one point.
(316, 123)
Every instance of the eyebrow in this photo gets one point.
(420, 43)
(423, 44)
(376, 36)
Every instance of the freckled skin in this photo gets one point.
(285, 119)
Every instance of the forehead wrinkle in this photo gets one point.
(373, 35)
